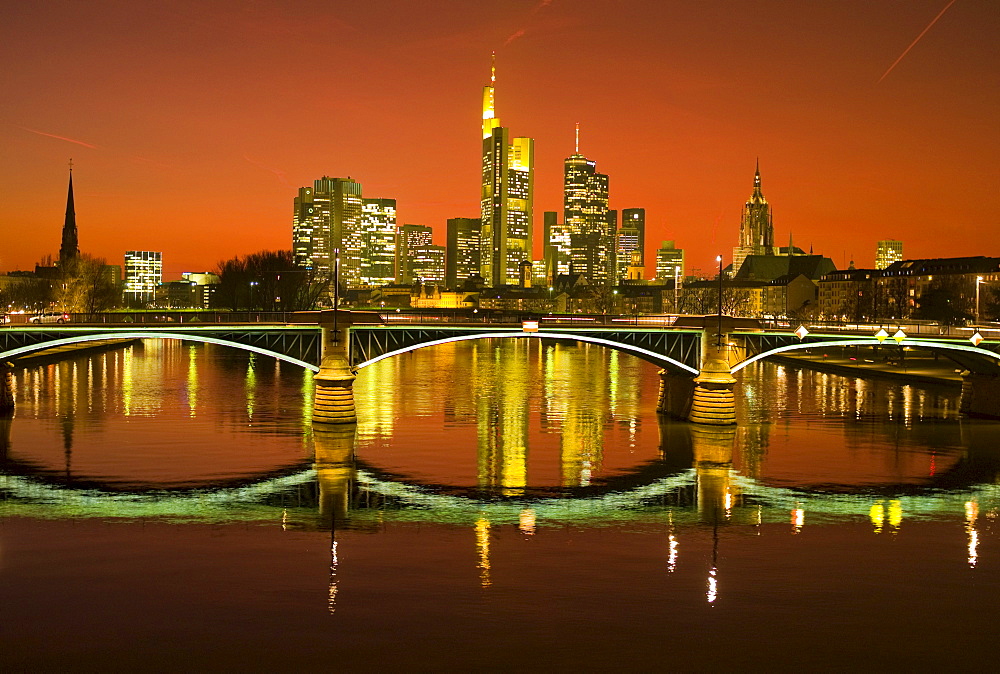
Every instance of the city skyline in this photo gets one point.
(909, 145)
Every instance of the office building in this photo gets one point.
(143, 273)
(327, 220)
(669, 264)
(888, 251)
(462, 258)
(628, 255)
(412, 239)
(636, 219)
(556, 245)
(507, 196)
(585, 214)
(378, 242)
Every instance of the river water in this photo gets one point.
(500, 506)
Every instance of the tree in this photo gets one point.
(268, 280)
(943, 301)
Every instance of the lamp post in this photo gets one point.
(979, 281)
(336, 292)
(718, 258)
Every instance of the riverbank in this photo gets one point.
(58, 353)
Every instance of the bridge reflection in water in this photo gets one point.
(696, 478)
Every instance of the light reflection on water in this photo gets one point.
(536, 472)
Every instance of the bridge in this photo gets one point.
(699, 356)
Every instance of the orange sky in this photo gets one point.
(192, 124)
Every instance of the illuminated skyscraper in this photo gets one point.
(328, 217)
(462, 256)
(627, 255)
(756, 227)
(412, 240)
(378, 242)
(889, 251)
(507, 197)
(557, 245)
(143, 274)
(669, 263)
(636, 218)
(585, 214)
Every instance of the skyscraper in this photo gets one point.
(888, 251)
(413, 239)
(756, 227)
(328, 217)
(557, 245)
(70, 248)
(636, 218)
(507, 197)
(585, 214)
(378, 242)
(462, 257)
(627, 254)
(143, 273)
(669, 263)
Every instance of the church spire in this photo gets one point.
(70, 248)
(756, 182)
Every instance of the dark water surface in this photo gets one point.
(500, 506)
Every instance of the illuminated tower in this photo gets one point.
(889, 251)
(756, 227)
(636, 219)
(462, 258)
(378, 242)
(585, 214)
(70, 248)
(557, 246)
(328, 217)
(507, 197)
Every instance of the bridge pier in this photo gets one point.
(980, 395)
(333, 402)
(676, 393)
(713, 401)
(6, 389)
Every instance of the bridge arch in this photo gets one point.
(151, 334)
(966, 353)
(644, 354)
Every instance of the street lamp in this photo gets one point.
(718, 258)
(979, 281)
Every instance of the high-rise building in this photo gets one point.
(585, 214)
(636, 218)
(756, 227)
(378, 242)
(627, 256)
(427, 264)
(670, 263)
(412, 239)
(462, 257)
(557, 245)
(507, 197)
(143, 273)
(70, 248)
(888, 251)
(328, 217)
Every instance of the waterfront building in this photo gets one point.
(327, 220)
(756, 227)
(585, 214)
(143, 273)
(888, 252)
(462, 257)
(378, 242)
(507, 196)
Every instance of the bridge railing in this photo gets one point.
(911, 327)
(180, 317)
(497, 317)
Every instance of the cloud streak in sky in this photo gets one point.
(279, 174)
(907, 50)
(52, 135)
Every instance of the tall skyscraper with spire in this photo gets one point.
(507, 197)
(585, 213)
(70, 248)
(756, 227)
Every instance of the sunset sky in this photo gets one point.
(192, 124)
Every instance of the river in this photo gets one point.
(501, 505)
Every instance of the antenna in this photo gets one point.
(578, 138)
(493, 68)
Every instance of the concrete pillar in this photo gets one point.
(713, 401)
(334, 465)
(980, 395)
(6, 389)
(333, 402)
(676, 392)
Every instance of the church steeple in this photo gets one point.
(757, 194)
(70, 248)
